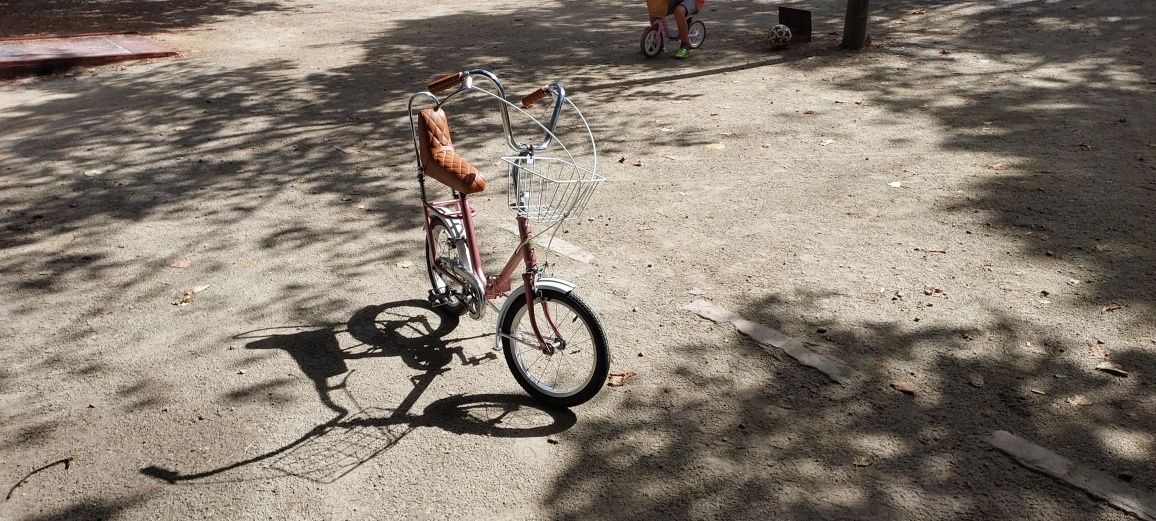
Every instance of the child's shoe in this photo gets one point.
(682, 53)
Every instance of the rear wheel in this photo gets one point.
(576, 368)
(446, 240)
(696, 33)
(652, 42)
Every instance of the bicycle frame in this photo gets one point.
(492, 286)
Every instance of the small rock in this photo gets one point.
(975, 379)
(91, 406)
(895, 184)
(242, 371)
(1079, 400)
(551, 441)
(861, 461)
(904, 386)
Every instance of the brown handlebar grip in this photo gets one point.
(445, 82)
(534, 97)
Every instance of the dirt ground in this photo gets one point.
(966, 209)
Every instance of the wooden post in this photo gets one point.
(855, 25)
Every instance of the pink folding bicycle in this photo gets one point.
(553, 341)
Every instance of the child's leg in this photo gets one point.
(680, 19)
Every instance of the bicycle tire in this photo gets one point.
(652, 42)
(599, 367)
(696, 34)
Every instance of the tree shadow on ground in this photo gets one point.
(768, 438)
(186, 143)
(1068, 127)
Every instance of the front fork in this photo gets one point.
(530, 256)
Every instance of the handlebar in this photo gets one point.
(443, 83)
(555, 90)
(534, 97)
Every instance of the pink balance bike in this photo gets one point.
(654, 37)
(553, 341)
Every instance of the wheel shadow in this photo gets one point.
(419, 335)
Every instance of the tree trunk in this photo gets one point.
(855, 26)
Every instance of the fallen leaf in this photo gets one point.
(998, 166)
(975, 379)
(904, 386)
(187, 298)
(622, 160)
(1078, 400)
(180, 263)
(826, 142)
(1113, 369)
(895, 184)
(619, 379)
(858, 102)
(716, 146)
(714, 113)
(1037, 391)
(1099, 351)
(1110, 308)
(808, 112)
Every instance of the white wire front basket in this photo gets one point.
(549, 189)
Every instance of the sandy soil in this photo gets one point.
(310, 381)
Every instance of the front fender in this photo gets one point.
(563, 286)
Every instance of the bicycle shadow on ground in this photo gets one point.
(411, 330)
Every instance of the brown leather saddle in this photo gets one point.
(439, 158)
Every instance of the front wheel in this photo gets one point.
(696, 33)
(652, 42)
(577, 367)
